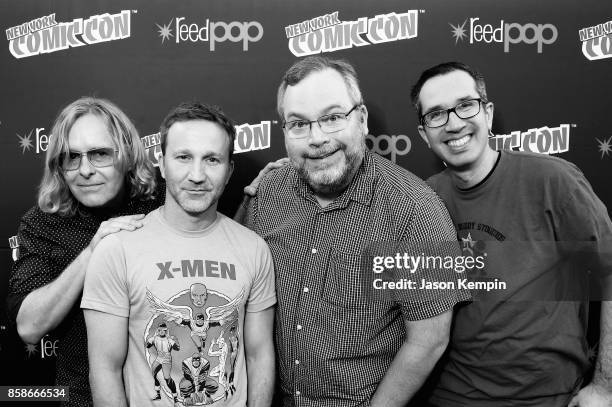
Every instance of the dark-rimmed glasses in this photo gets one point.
(464, 110)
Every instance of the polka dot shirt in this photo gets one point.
(48, 243)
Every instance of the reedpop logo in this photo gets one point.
(212, 32)
(45, 35)
(597, 41)
(327, 33)
(249, 137)
(39, 143)
(506, 33)
(389, 145)
(544, 140)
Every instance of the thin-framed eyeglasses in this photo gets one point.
(98, 157)
(330, 123)
(464, 110)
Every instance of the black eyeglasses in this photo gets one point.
(98, 157)
(464, 110)
(329, 123)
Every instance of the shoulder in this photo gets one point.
(543, 169)
(399, 183)
(276, 178)
(241, 235)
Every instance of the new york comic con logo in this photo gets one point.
(45, 35)
(543, 140)
(327, 33)
(212, 32)
(597, 41)
(249, 137)
(506, 33)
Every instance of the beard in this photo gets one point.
(334, 179)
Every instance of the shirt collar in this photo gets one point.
(359, 190)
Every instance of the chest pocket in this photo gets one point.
(346, 281)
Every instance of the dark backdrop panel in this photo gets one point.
(543, 82)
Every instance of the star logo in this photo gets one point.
(25, 142)
(605, 146)
(592, 352)
(468, 243)
(458, 31)
(31, 349)
(165, 32)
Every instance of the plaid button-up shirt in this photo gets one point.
(334, 342)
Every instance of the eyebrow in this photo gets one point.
(457, 101)
(324, 112)
(92, 149)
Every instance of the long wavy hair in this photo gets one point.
(54, 195)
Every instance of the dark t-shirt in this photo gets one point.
(524, 345)
(48, 243)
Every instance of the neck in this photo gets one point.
(190, 222)
(468, 177)
(325, 195)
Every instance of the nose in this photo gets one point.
(197, 172)
(454, 123)
(317, 137)
(85, 168)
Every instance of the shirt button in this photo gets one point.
(297, 393)
(299, 327)
(314, 251)
(305, 289)
(297, 362)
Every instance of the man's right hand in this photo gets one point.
(114, 225)
(251, 189)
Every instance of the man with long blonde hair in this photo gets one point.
(97, 180)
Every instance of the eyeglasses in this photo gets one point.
(329, 123)
(464, 110)
(98, 157)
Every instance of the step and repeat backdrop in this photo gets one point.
(548, 67)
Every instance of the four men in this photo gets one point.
(192, 286)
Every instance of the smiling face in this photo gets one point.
(196, 167)
(326, 161)
(461, 143)
(93, 187)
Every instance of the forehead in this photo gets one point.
(316, 94)
(447, 90)
(197, 136)
(89, 131)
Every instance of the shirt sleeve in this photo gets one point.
(263, 291)
(33, 268)
(105, 286)
(430, 233)
(584, 225)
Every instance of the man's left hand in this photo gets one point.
(592, 395)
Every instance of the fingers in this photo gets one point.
(114, 225)
(574, 402)
(251, 189)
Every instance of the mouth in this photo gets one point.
(86, 186)
(460, 142)
(321, 156)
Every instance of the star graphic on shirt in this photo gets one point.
(468, 243)
(31, 349)
(165, 32)
(592, 352)
(605, 146)
(458, 31)
(25, 142)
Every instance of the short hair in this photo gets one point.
(198, 111)
(443, 69)
(304, 67)
(54, 195)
